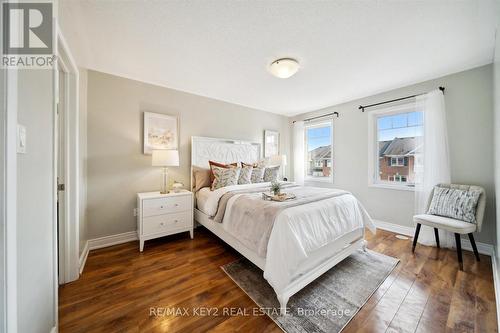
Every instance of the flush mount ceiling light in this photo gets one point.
(284, 68)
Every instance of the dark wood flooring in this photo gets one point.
(121, 287)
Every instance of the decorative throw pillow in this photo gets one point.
(220, 165)
(225, 177)
(454, 203)
(201, 178)
(245, 175)
(271, 173)
(258, 174)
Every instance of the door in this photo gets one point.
(61, 171)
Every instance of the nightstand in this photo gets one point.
(163, 214)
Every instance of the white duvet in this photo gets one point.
(298, 231)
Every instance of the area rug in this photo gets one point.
(325, 305)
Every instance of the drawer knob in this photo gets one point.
(161, 223)
(175, 221)
(176, 205)
(161, 207)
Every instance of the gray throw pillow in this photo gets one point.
(454, 203)
(271, 174)
(258, 174)
(245, 175)
(225, 177)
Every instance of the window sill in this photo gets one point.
(393, 187)
(318, 180)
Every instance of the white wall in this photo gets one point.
(469, 105)
(117, 169)
(35, 204)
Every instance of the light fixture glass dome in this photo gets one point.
(284, 68)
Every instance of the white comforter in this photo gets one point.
(298, 231)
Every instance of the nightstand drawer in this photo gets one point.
(152, 207)
(161, 223)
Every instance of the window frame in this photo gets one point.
(313, 124)
(373, 149)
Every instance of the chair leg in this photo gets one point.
(474, 247)
(459, 251)
(416, 237)
(436, 235)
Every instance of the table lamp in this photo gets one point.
(165, 158)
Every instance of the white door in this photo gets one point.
(61, 170)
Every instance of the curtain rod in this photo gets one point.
(325, 115)
(363, 107)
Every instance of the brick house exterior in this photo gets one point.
(397, 160)
(320, 161)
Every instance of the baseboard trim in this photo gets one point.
(83, 256)
(99, 243)
(399, 229)
(496, 284)
(482, 248)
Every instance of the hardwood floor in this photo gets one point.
(120, 288)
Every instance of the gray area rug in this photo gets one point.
(325, 305)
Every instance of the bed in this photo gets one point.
(293, 243)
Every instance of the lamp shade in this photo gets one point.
(278, 160)
(283, 160)
(165, 158)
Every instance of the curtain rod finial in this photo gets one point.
(442, 89)
(361, 108)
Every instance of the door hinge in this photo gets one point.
(60, 187)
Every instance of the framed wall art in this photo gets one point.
(160, 132)
(271, 143)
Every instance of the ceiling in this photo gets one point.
(221, 49)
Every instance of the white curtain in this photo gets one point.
(298, 152)
(433, 161)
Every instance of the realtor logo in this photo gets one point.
(28, 35)
(27, 28)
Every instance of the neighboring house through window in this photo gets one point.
(319, 151)
(396, 149)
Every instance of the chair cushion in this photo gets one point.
(445, 223)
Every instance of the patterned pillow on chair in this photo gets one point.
(225, 177)
(271, 174)
(454, 203)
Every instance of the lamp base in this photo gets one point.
(164, 185)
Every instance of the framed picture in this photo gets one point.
(271, 143)
(160, 132)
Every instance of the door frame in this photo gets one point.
(69, 263)
(9, 200)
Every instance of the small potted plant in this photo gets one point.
(275, 188)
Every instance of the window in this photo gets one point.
(396, 146)
(398, 161)
(319, 151)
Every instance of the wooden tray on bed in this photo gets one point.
(280, 197)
